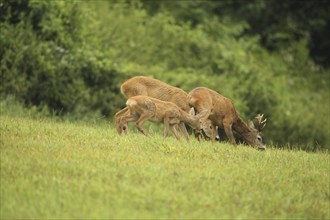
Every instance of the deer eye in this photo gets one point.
(259, 138)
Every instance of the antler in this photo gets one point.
(261, 121)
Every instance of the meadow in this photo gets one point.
(57, 169)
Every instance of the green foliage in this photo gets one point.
(278, 24)
(71, 58)
(71, 170)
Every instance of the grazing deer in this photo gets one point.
(141, 85)
(145, 108)
(222, 113)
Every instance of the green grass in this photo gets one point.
(57, 170)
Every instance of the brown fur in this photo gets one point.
(144, 108)
(222, 113)
(141, 85)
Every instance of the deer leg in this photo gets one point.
(184, 131)
(175, 131)
(172, 126)
(140, 121)
(214, 133)
(166, 126)
(229, 132)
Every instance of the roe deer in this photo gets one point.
(141, 85)
(143, 108)
(222, 113)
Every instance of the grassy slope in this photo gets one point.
(62, 170)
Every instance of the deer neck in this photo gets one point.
(241, 127)
(186, 117)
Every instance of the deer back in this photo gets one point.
(141, 85)
(220, 107)
(157, 109)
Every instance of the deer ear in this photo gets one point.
(203, 114)
(251, 125)
(192, 111)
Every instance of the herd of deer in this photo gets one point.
(202, 109)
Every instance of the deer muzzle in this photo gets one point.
(262, 148)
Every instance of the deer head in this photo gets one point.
(253, 137)
(207, 127)
(200, 121)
